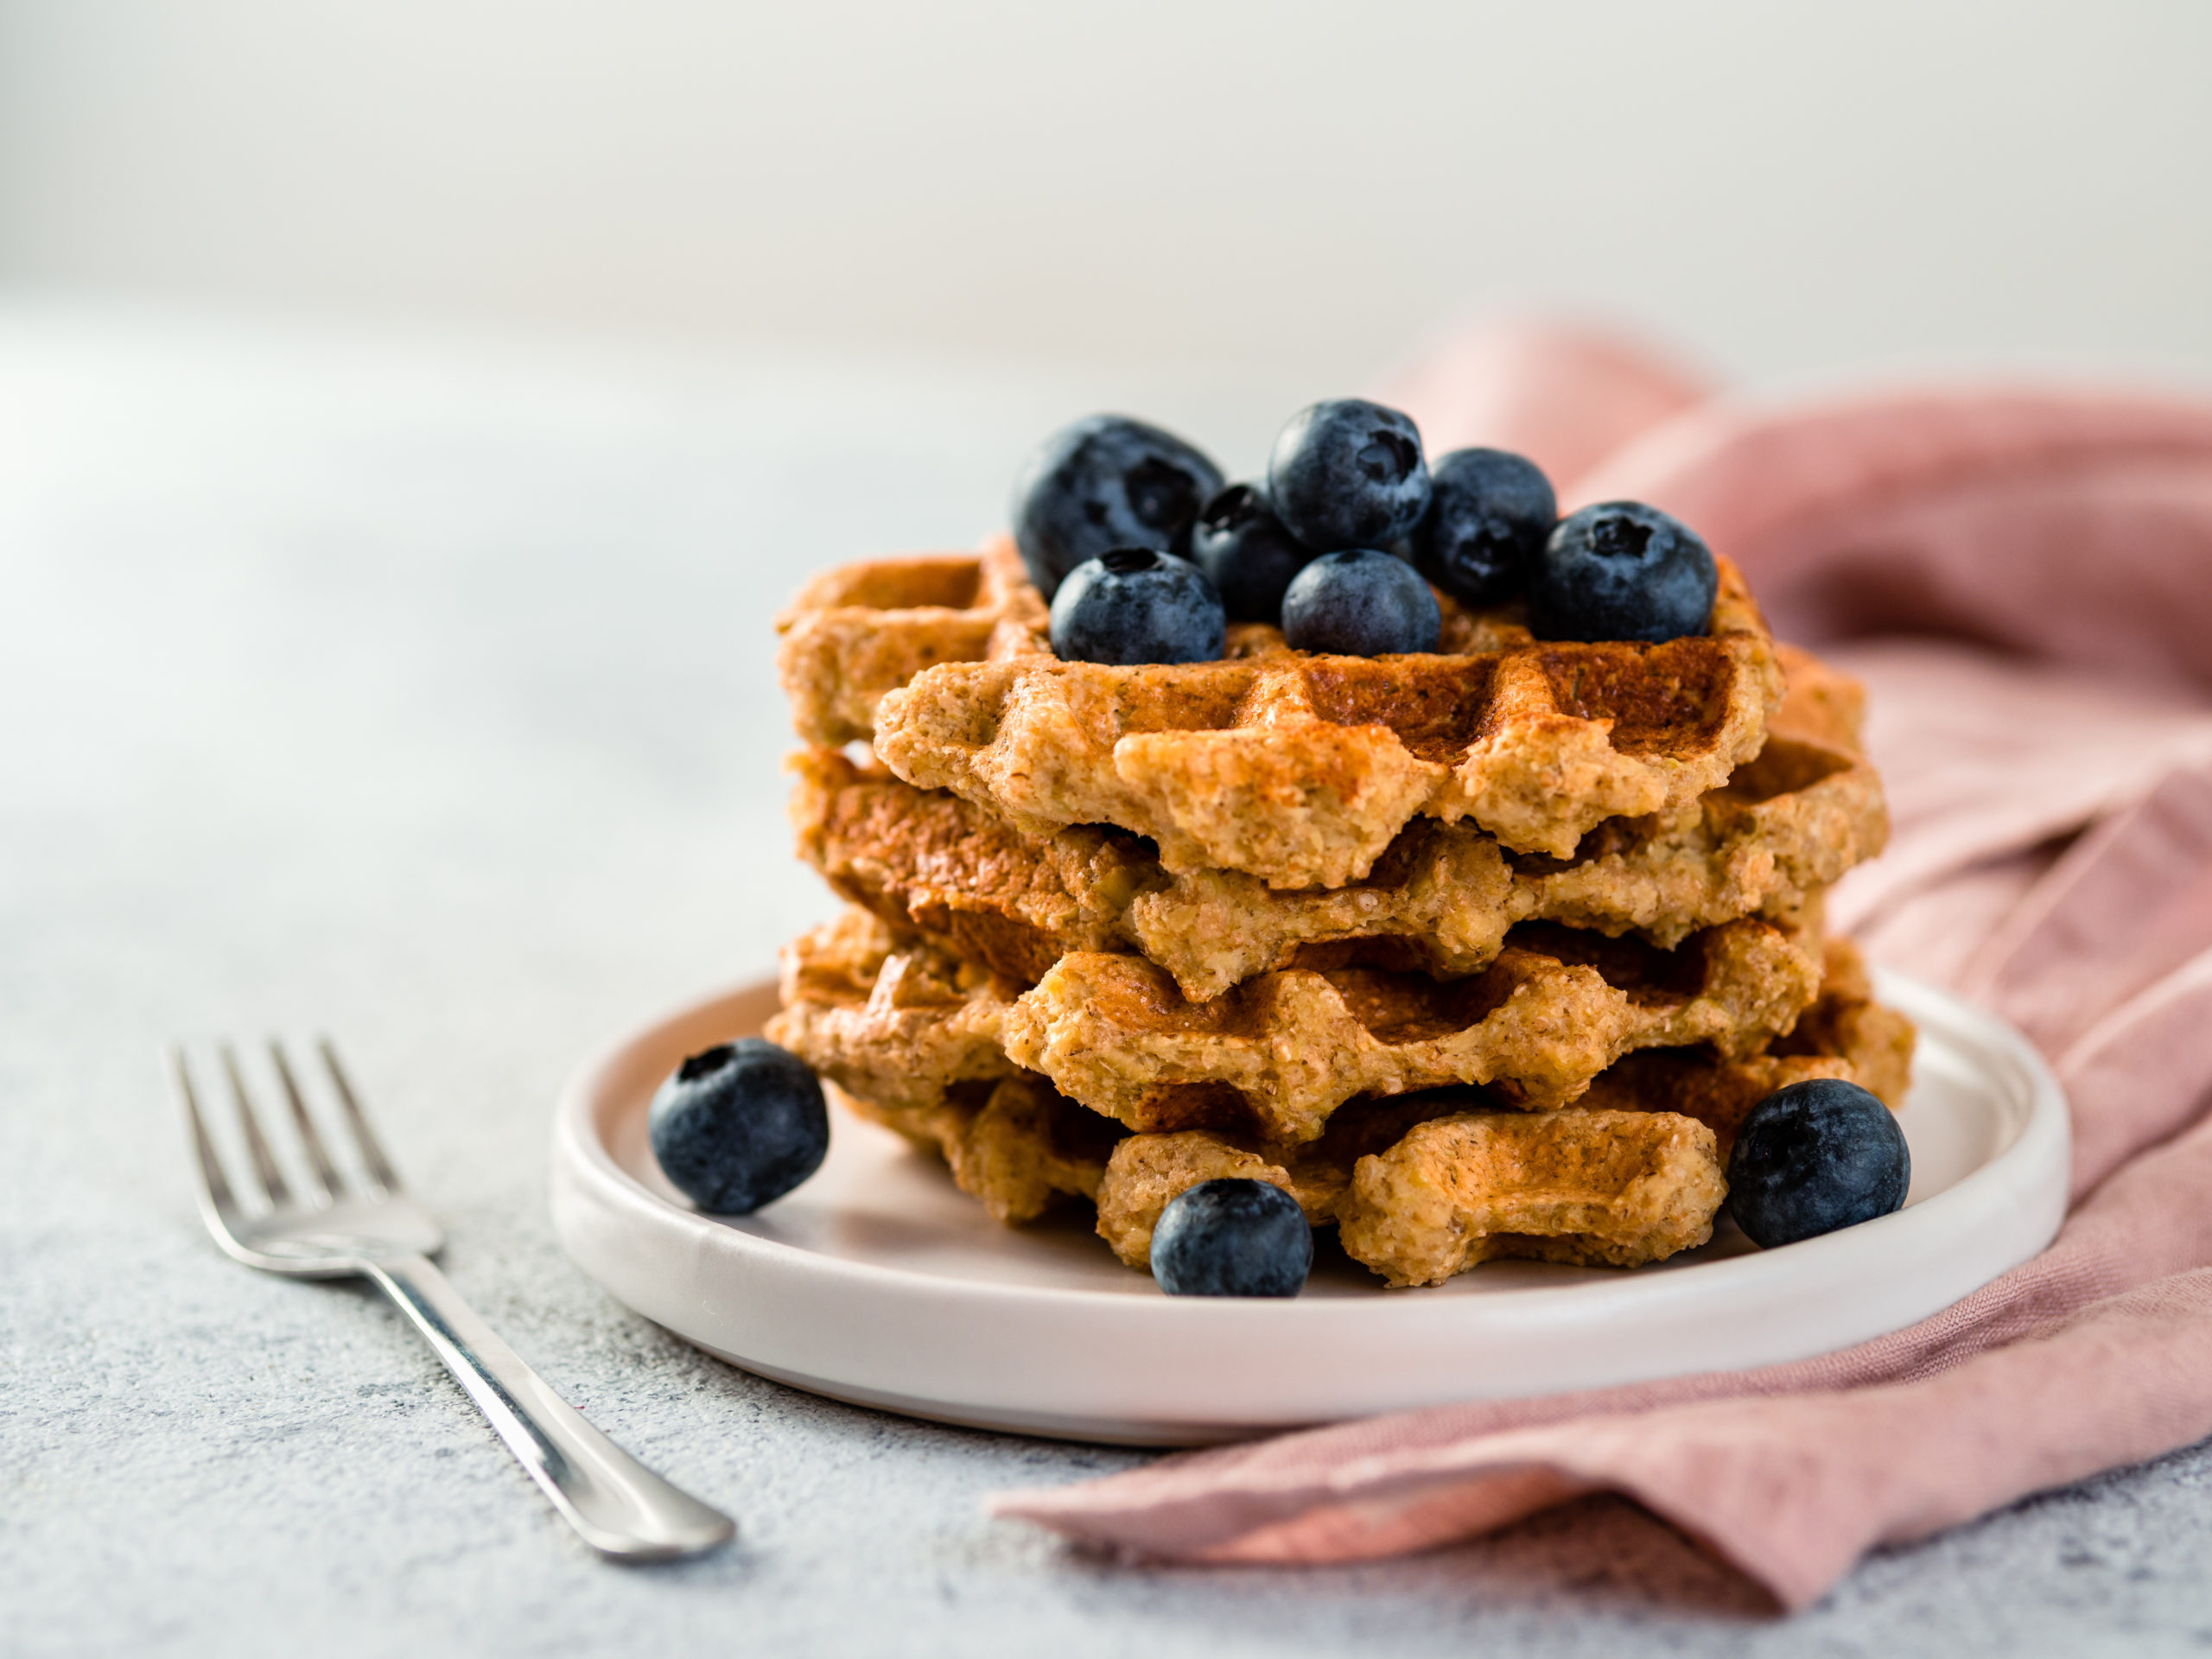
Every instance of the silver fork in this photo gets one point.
(620, 1508)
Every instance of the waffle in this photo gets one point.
(1628, 1175)
(901, 1029)
(1846, 1033)
(1593, 1187)
(1013, 1144)
(1441, 898)
(1300, 769)
(1427, 1186)
(1477, 953)
(899, 1022)
(857, 631)
(1282, 1050)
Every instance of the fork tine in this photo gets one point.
(372, 1158)
(264, 1162)
(326, 1171)
(213, 1181)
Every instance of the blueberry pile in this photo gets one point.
(1815, 1157)
(1146, 557)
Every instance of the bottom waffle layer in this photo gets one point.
(1420, 1187)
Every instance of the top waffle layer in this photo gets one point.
(1297, 768)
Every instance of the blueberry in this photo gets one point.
(1360, 604)
(1621, 571)
(1813, 1157)
(1106, 482)
(738, 1125)
(1347, 474)
(1241, 545)
(1232, 1237)
(1132, 604)
(1487, 521)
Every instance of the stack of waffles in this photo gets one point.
(1480, 953)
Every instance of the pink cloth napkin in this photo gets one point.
(2023, 579)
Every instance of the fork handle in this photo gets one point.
(617, 1505)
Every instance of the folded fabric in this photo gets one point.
(2023, 579)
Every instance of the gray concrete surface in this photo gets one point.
(425, 696)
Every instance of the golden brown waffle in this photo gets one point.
(856, 632)
(1846, 1033)
(1583, 1184)
(900, 1029)
(1630, 1173)
(1441, 898)
(1592, 1187)
(900, 1022)
(1610, 1188)
(1589, 1186)
(1465, 950)
(1282, 1050)
(1301, 769)
(1147, 1170)
(1014, 1144)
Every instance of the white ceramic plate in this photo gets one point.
(879, 1283)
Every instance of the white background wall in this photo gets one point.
(1250, 187)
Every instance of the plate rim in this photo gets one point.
(584, 1167)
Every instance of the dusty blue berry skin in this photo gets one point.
(1132, 604)
(1103, 483)
(1347, 474)
(1364, 603)
(1248, 554)
(1621, 571)
(1489, 514)
(1232, 1237)
(738, 1125)
(1813, 1157)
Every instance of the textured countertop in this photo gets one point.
(423, 693)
